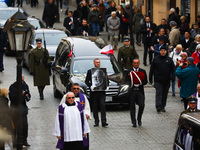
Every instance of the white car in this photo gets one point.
(3, 5)
(52, 38)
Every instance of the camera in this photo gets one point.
(26, 95)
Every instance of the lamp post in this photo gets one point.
(19, 32)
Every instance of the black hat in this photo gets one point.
(162, 38)
(163, 47)
(192, 99)
(38, 40)
(126, 38)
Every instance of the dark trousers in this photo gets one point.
(138, 37)
(49, 24)
(146, 49)
(185, 100)
(98, 100)
(33, 3)
(136, 97)
(16, 124)
(40, 90)
(2, 143)
(162, 90)
(76, 145)
(1, 61)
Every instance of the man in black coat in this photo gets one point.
(50, 14)
(148, 29)
(186, 42)
(85, 29)
(2, 47)
(162, 68)
(13, 96)
(136, 78)
(71, 23)
(97, 98)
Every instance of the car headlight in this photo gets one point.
(124, 88)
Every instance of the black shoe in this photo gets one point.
(163, 110)
(134, 125)
(96, 125)
(104, 124)
(139, 123)
(158, 110)
(41, 96)
(1, 70)
(26, 144)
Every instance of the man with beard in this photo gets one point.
(84, 30)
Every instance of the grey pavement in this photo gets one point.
(157, 131)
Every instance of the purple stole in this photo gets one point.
(82, 100)
(60, 143)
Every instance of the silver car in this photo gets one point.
(52, 38)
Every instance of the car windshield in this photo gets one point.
(6, 14)
(82, 66)
(51, 38)
(35, 23)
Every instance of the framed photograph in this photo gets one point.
(99, 79)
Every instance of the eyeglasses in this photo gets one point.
(70, 97)
(76, 88)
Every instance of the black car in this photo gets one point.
(68, 70)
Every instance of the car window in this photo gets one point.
(64, 55)
(35, 23)
(81, 66)
(51, 38)
(6, 14)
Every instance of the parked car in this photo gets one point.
(188, 132)
(3, 5)
(37, 23)
(68, 70)
(52, 38)
(6, 13)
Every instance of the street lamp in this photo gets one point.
(19, 32)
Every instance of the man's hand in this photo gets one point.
(181, 64)
(114, 28)
(87, 116)
(59, 137)
(151, 31)
(5, 48)
(151, 48)
(84, 135)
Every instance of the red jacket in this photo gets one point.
(195, 55)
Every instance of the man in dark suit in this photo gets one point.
(148, 29)
(71, 23)
(186, 42)
(85, 29)
(97, 98)
(136, 78)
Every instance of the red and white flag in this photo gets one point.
(107, 50)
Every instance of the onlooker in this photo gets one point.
(186, 42)
(126, 54)
(155, 39)
(195, 30)
(137, 22)
(176, 56)
(113, 24)
(14, 99)
(192, 103)
(97, 98)
(194, 44)
(5, 121)
(136, 78)
(124, 20)
(197, 95)
(164, 26)
(39, 60)
(84, 10)
(148, 29)
(157, 47)
(162, 68)
(71, 23)
(195, 55)
(85, 29)
(171, 16)
(93, 19)
(71, 125)
(50, 13)
(2, 47)
(174, 34)
(102, 8)
(189, 78)
(198, 20)
(184, 26)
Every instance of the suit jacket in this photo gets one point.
(128, 81)
(186, 45)
(145, 32)
(67, 21)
